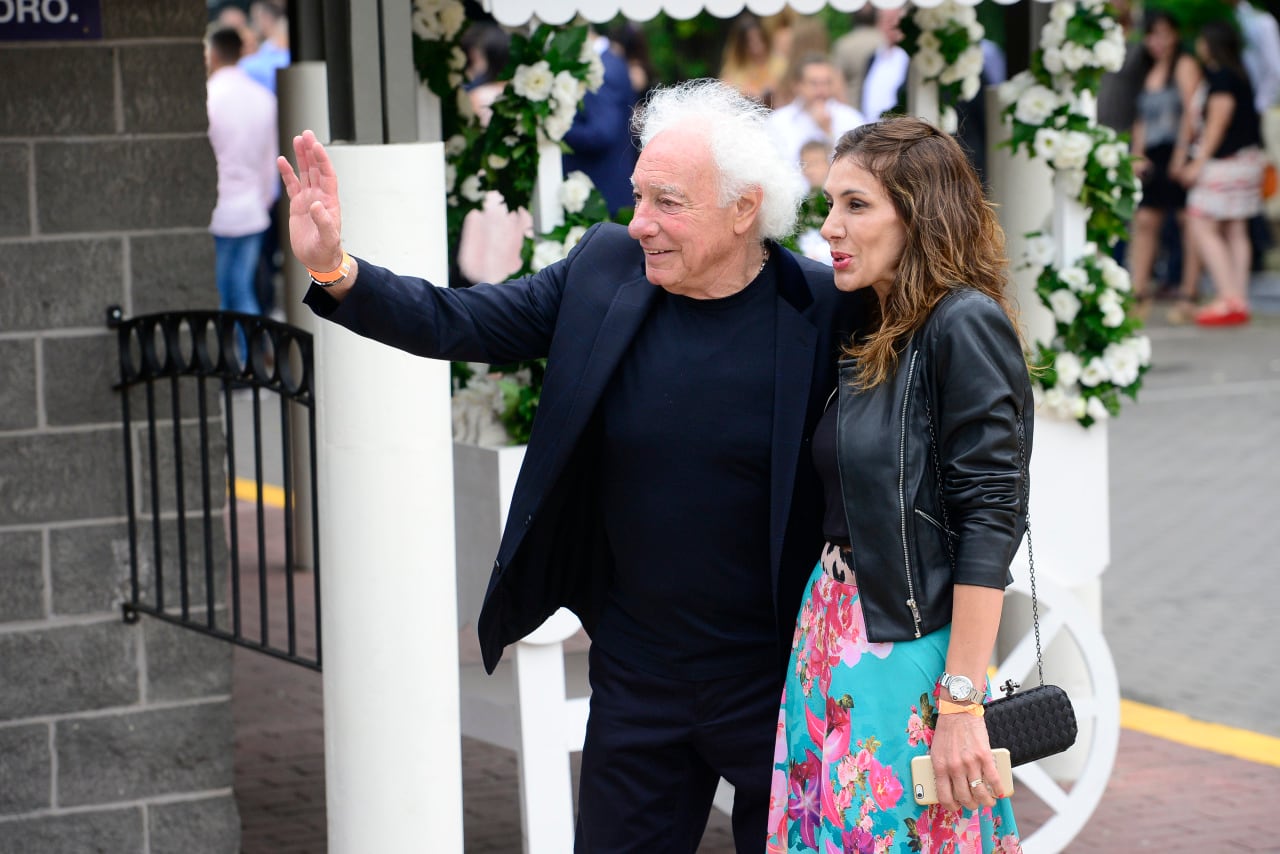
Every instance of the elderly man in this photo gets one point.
(668, 496)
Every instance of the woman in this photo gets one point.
(929, 430)
(748, 63)
(1163, 104)
(1224, 175)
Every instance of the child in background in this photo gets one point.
(815, 157)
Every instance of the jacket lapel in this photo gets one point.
(566, 415)
(796, 350)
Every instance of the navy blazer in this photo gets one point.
(581, 314)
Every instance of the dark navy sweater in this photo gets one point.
(687, 430)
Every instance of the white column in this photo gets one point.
(430, 124)
(302, 98)
(922, 97)
(1022, 189)
(1073, 503)
(392, 749)
(547, 212)
(1070, 513)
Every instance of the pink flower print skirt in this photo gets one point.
(853, 715)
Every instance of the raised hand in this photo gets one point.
(315, 216)
(820, 114)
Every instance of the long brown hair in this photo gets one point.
(735, 59)
(1223, 44)
(953, 238)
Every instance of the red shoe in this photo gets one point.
(1220, 314)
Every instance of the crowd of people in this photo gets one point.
(1195, 106)
(1194, 110)
(818, 89)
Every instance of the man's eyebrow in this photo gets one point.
(669, 189)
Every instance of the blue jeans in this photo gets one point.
(236, 261)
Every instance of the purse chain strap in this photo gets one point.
(1010, 686)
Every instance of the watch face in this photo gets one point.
(959, 687)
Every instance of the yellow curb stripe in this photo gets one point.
(1216, 738)
(247, 490)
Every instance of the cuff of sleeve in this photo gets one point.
(320, 301)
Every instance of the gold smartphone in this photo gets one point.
(922, 783)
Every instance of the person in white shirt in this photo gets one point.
(888, 69)
(1261, 53)
(814, 114)
(272, 25)
(242, 133)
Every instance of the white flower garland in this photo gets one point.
(1096, 354)
(554, 69)
(438, 20)
(551, 70)
(575, 193)
(948, 51)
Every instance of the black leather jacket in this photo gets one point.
(964, 368)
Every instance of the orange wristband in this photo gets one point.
(333, 276)
(946, 707)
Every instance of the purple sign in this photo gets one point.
(50, 20)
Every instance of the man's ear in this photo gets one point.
(747, 209)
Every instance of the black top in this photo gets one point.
(835, 527)
(685, 465)
(1244, 130)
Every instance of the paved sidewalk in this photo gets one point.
(1189, 604)
(1163, 797)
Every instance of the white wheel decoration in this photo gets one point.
(1098, 715)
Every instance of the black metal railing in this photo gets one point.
(202, 380)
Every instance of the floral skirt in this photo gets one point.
(853, 715)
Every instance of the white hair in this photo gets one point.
(745, 153)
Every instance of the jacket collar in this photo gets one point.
(564, 421)
(792, 285)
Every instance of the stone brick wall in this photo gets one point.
(113, 737)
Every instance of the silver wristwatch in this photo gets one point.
(960, 689)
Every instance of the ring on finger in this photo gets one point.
(973, 784)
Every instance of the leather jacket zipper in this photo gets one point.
(902, 499)
(844, 502)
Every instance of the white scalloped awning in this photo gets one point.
(516, 12)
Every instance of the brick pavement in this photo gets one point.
(1210, 407)
(1162, 797)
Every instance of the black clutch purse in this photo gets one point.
(1038, 722)
(1033, 724)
